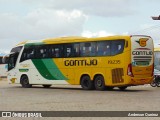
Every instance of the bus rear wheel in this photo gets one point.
(25, 82)
(99, 83)
(86, 83)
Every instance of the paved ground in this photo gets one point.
(73, 98)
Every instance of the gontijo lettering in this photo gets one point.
(92, 62)
(142, 53)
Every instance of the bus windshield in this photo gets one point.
(13, 57)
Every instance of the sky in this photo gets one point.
(22, 20)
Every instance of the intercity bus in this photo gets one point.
(94, 63)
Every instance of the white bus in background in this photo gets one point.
(3, 67)
(157, 58)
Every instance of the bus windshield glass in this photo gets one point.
(13, 57)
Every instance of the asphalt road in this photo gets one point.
(72, 98)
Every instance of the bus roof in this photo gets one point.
(28, 41)
(64, 39)
(80, 39)
(72, 39)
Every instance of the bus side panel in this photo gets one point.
(40, 71)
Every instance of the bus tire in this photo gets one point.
(25, 82)
(86, 83)
(122, 88)
(99, 83)
(47, 86)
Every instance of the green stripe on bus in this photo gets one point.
(53, 69)
(48, 69)
(33, 44)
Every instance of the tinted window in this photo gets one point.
(72, 50)
(42, 51)
(12, 61)
(117, 47)
(103, 48)
(88, 49)
(68, 50)
(16, 49)
(84, 49)
(76, 49)
(55, 51)
(28, 53)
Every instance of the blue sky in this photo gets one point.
(39, 19)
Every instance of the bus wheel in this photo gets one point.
(122, 88)
(99, 83)
(47, 86)
(25, 82)
(86, 83)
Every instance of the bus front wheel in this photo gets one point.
(25, 82)
(99, 83)
(86, 83)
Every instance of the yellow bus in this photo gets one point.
(94, 63)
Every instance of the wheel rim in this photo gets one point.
(25, 81)
(99, 83)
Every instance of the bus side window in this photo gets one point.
(42, 51)
(117, 47)
(28, 53)
(85, 49)
(76, 49)
(56, 51)
(103, 48)
(68, 50)
(88, 49)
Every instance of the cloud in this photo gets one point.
(48, 23)
(101, 33)
(104, 8)
(39, 24)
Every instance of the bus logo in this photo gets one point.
(142, 42)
